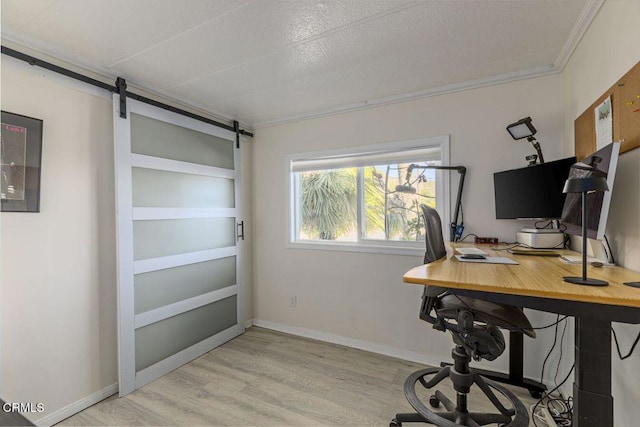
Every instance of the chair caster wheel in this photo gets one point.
(434, 401)
(395, 423)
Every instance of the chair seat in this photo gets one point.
(501, 315)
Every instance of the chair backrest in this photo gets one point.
(434, 251)
(433, 235)
(482, 342)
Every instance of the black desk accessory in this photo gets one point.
(473, 256)
(632, 284)
(585, 186)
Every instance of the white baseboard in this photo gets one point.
(372, 347)
(74, 408)
(248, 323)
(385, 350)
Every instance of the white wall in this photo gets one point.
(58, 275)
(360, 297)
(608, 50)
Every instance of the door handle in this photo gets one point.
(240, 230)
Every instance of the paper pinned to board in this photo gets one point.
(604, 123)
(488, 260)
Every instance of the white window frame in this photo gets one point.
(443, 194)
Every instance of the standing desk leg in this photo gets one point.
(592, 384)
(516, 355)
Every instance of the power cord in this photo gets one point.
(462, 239)
(559, 417)
(563, 417)
(633, 346)
(555, 340)
(553, 412)
(564, 329)
(610, 252)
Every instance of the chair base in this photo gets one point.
(457, 414)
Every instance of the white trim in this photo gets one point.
(443, 195)
(40, 72)
(161, 263)
(170, 310)
(239, 217)
(428, 93)
(372, 347)
(144, 214)
(408, 144)
(355, 247)
(77, 406)
(124, 235)
(369, 346)
(45, 51)
(158, 163)
(176, 360)
(586, 17)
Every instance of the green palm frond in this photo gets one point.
(328, 202)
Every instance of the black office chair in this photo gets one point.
(474, 325)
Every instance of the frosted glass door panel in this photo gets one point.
(178, 189)
(161, 139)
(162, 287)
(166, 237)
(162, 339)
(156, 188)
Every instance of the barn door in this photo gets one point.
(179, 234)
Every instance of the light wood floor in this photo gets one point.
(267, 378)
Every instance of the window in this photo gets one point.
(347, 199)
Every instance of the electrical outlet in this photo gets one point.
(487, 240)
(293, 301)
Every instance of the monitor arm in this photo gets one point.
(453, 226)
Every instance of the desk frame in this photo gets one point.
(536, 283)
(592, 385)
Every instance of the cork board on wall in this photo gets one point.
(625, 106)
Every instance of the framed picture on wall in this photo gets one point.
(20, 158)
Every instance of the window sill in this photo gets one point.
(354, 247)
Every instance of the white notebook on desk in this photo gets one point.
(488, 260)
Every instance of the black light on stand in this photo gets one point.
(585, 186)
(523, 128)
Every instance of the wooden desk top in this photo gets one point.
(535, 276)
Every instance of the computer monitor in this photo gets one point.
(601, 163)
(533, 192)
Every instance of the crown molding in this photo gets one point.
(47, 53)
(437, 91)
(583, 22)
(586, 17)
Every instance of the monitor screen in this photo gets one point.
(601, 163)
(534, 192)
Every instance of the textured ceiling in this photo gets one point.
(271, 61)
